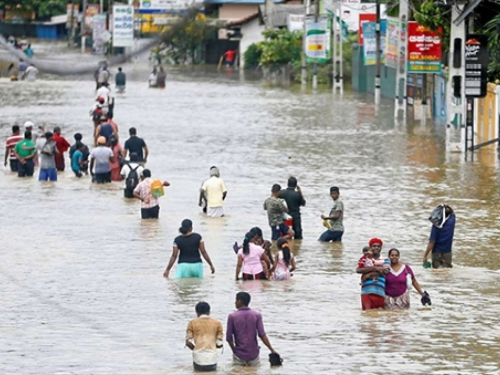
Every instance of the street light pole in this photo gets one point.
(377, 54)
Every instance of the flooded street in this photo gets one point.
(81, 280)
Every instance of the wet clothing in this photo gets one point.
(85, 156)
(279, 230)
(243, 326)
(373, 289)
(62, 145)
(252, 264)
(27, 169)
(206, 333)
(443, 243)
(275, 209)
(282, 271)
(336, 230)
(294, 200)
(76, 159)
(189, 270)
(150, 213)
(115, 165)
(120, 79)
(47, 160)
(135, 144)
(47, 174)
(396, 282)
(189, 248)
(160, 79)
(25, 148)
(372, 301)
(144, 191)
(214, 189)
(9, 145)
(106, 131)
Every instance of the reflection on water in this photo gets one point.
(81, 274)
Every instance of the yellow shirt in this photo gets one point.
(214, 189)
(207, 334)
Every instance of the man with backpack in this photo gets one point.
(149, 191)
(131, 172)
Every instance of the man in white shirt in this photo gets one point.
(204, 336)
(213, 192)
(104, 92)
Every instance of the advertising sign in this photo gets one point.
(99, 33)
(392, 43)
(90, 12)
(364, 18)
(71, 14)
(164, 6)
(123, 26)
(370, 42)
(476, 66)
(318, 39)
(424, 49)
(295, 22)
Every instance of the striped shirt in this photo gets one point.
(11, 143)
(376, 287)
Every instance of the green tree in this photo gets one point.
(280, 47)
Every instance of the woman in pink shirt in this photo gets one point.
(250, 259)
(398, 283)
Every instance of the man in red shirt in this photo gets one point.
(9, 148)
(62, 146)
(229, 56)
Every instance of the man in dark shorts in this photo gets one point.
(9, 148)
(275, 210)
(294, 200)
(150, 205)
(137, 145)
(441, 241)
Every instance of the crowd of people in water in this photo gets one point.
(385, 282)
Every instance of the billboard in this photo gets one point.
(164, 6)
(364, 18)
(99, 32)
(424, 49)
(392, 43)
(370, 42)
(123, 26)
(90, 12)
(318, 39)
(476, 66)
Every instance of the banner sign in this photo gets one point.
(99, 33)
(123, 26)
(424, 49)
(164, 6)
(392, 43)
(90, 12)
(295, 22)
(318, 39)
(363, 18)
(370, 42)
(476, 66)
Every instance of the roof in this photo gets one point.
(243, 20)
(281, 11)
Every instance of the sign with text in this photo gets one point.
(370, 42)
(392, 43)
(318, 39)
(164, 6)
(424, 49)
(123, 26)
(296, 22)
(476, 66)
(363, 18)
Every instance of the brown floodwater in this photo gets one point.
(81, 280)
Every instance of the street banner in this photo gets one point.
(165, 6)
(476, 66)
(73, 13)
(392, 42)
(90, 12)
(424, 49)
(363, 18)
(370, 42)
(318, 39)
(296, 22)
(99, 33)
(123, 26)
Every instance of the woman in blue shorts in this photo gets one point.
(189, 247)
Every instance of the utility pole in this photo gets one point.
(269, 14)
(304, 45)
(315, 66)
(83, 24)
(338, 69)
(401, 67)
(377, 54)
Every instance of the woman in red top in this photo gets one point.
(62, 146)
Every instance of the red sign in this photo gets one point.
(364, 17)
(424, 49)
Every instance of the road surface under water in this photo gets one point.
(81, 280)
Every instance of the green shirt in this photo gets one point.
(275, 209)
(20, 148)
(337, 225)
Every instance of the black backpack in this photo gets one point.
(132, 179)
